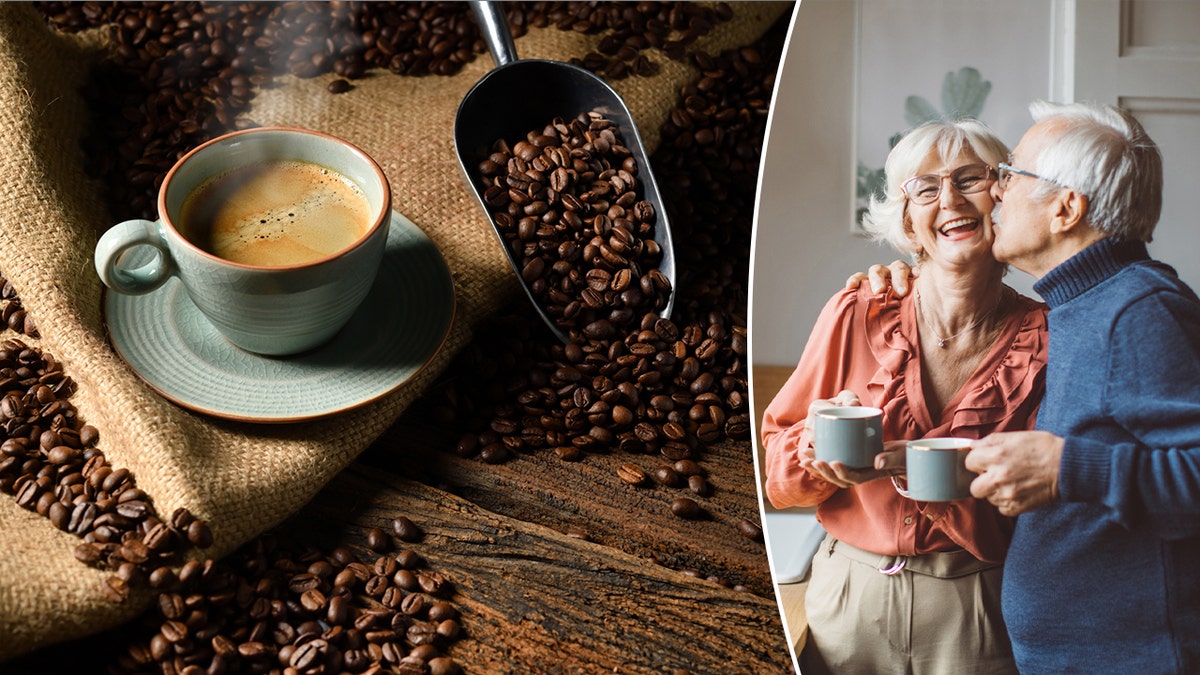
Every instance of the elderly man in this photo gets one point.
(1103, 574)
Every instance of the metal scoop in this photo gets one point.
(520, 96)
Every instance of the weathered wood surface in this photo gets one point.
(586, 498)
(535, 600)
(557, 567)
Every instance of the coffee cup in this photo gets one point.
(937, 470)
(852, 435)
(276, 234)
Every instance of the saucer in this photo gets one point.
(398, 329)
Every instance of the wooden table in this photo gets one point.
(558, 567)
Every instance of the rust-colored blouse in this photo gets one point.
(867, 343)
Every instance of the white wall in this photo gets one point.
(803, 246)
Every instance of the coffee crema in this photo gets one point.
(276, 213)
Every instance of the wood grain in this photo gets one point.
(536, 600)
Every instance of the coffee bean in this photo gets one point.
(686, 508)
(377, 540)
(308, 654)
(431, 583)
(422, 634)
(443, 665)
(116, 588)
(666, 475)
(409, 560)
(412, 604)
(631, 474)
(406, 579)
(750, 529)
(406, 530)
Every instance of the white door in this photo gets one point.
(1144, 55)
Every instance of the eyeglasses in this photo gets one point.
(1006, 173)
(966, 180)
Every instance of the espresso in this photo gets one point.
(276, 213)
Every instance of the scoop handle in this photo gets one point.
(494, 26)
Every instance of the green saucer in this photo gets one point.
(397, 331)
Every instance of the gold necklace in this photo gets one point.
(941, 341)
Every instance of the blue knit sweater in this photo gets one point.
(1107, 578)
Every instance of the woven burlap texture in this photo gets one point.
(241, 478)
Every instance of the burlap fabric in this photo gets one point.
(241, 478)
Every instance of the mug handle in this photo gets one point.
(118, 240)
(902, 489)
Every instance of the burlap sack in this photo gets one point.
(241, 478)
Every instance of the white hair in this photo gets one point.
(886, 220)
(1103, 153)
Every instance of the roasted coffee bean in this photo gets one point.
(666, 475)
(750, 529)
(442, 610)
(686, 508)
(409, 559)
(313, 600)
(443, 665)
(631, 474)
(448, 629)
(115, 588)
(377, 540)
(199, 534)
(309, 654)
(413, 604)
(406, 530)
(406, 579)
(431, 583)
(422, 634)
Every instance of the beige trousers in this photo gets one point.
(937, 615)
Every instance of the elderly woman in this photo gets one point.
(902, 586)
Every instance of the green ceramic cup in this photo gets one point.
(937, 470)
(852, 435)
(271, 310)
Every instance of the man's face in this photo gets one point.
(1022, 223)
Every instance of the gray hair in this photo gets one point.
(886, 220)
(1105, 154)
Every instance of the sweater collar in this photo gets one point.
(1086, 269)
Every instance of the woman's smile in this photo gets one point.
(959, 228)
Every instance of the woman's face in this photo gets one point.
(955, 229)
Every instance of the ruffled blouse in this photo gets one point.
(868, 343)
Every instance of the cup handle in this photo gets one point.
(121, 238)
(901, 485)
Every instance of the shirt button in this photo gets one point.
(908, 520)
(929, 516)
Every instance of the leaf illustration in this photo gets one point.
(964, 93)
(870, 181)
(918, 110)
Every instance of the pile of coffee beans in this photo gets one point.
(567, 199)
(273, 606)
(49, 461)
(661, 390)
(12, 313)
(277, 606)
(181, 73)
(629, 29)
